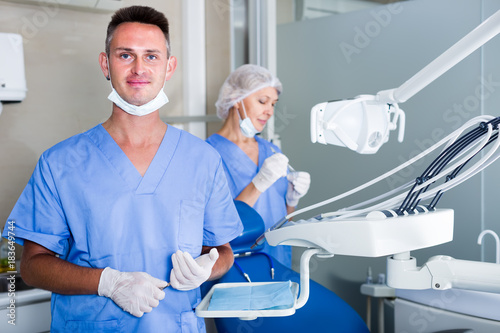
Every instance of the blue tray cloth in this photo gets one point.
(272, 296)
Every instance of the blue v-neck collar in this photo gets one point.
(237, 154)
(148, 183)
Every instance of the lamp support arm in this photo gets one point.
(443, 272)
(456, 53)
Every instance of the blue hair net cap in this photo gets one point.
(241, 83)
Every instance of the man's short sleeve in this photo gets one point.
(38, 215)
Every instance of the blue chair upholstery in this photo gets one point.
(253, 227)
(323, 312)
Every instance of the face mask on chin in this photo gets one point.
(138, 110)
(246, 125)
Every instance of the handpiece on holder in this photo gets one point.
(262, 237)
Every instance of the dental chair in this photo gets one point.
(324, 310)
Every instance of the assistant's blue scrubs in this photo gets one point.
(240, 170)
(88, 203)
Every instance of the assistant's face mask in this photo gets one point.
(141, 110)
(246, 125)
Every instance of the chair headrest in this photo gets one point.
(253, 227)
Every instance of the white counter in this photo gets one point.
(468, 302)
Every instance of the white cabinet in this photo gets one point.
(442, 310)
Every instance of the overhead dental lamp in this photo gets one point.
(363, 124)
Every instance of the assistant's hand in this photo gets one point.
(134, 292)
(273, 168)
(298, 185)
(188, 273)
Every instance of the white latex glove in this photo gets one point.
(298, 185)
(273, 168)
(134, 292)
(188, 273)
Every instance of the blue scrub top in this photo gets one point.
(88, 203)
(240, 170)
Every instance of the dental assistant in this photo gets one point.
(110, 215)
(255, 168)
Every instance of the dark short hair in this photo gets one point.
(139, 14)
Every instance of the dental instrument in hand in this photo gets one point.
(289, 167)
(134, 292)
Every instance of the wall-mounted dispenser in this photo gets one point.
(12, 75)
